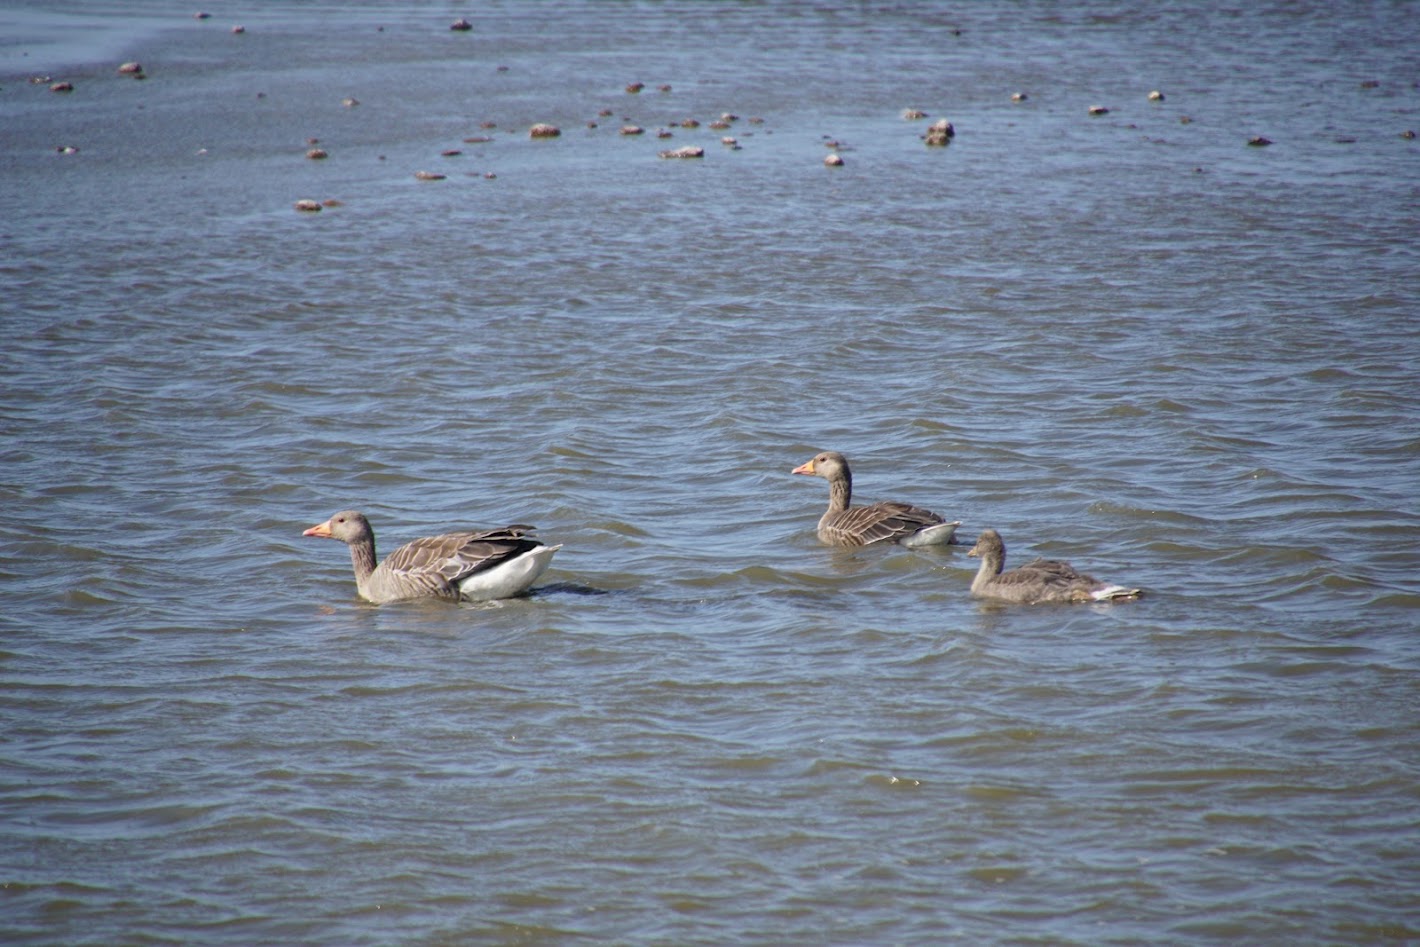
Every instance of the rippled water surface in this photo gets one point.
(1129, 340)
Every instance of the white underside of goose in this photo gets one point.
(1112, 592)
(941, 534)
(508, 578)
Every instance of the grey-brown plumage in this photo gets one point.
(486, 564)
(1041, 580)
(887, 521)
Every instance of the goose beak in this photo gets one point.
(973, 553)
(805, 468)
(320, 529)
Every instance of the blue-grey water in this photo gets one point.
(1128, 340)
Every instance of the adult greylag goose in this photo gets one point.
(1042, 580)
(474, 565)
(887, 521)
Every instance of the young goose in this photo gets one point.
(845, 525)
(494, 563)
(1043, 580)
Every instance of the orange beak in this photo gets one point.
(320, 529)
(804, 468)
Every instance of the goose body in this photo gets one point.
(888, 521)
(1041, 580)
(474, 565)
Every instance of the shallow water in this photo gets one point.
(1130, 341)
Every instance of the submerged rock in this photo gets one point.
(307, 205)
(689, 151)
(429, 176)
(544, 130)
(460, 25)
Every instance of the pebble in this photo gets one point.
(317, 154)
(632, 130)
(308, 205)
(833, 161)
(544, 130)
(130, 69)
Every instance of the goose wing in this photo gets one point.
(445, 560)
(1056, 568)
(885, 521)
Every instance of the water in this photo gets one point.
(1130, 341)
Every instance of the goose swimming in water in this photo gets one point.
(473, 565)
(1042, 580)
(887, 521)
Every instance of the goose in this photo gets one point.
(1042, 580)
(473, 565)
(845, 525)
